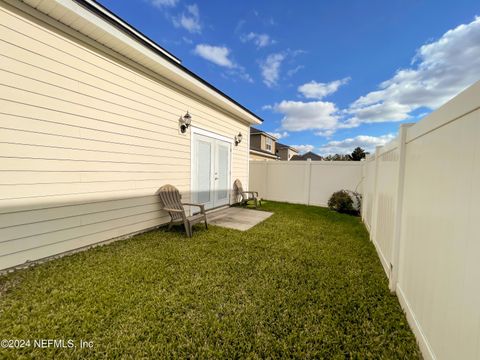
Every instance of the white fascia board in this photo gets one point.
(124, 24)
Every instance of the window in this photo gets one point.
(268, 144)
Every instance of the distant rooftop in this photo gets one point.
(284, 146)
(258, 131)
(309, 155)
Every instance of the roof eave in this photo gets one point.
(96, 22)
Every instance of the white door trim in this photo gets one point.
(196, 130)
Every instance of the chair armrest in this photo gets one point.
(172, 210)
(201, 206)
(251, 192)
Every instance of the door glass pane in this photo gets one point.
(203, 171)
(222, 191)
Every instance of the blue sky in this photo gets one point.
(324, 75)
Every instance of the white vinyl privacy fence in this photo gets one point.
(421, 204)
(304, 182)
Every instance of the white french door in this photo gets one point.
(210, 171)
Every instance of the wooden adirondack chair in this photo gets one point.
(245, 195)
(171, 201)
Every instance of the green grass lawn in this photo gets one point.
(305, 283)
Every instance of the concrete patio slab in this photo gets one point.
(237, 218)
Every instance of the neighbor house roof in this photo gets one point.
(255, 131)
(97, 23)
(306, 156)
(283, 146)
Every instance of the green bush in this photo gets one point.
(342, 201)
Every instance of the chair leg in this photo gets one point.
(170, 225)
(187, 229)
(206, 224)
(191, 230)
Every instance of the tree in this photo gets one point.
(358, 154)
(337, 157)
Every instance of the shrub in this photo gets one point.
(344, 201)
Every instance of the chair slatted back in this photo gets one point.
(238, 188)
(170, 198)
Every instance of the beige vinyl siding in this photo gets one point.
(257, 156)
(86, 139)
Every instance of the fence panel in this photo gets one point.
(385, 203)
(421, 206)
(439, 276)
(304, 182)
(368, 190)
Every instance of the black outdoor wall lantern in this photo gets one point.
(185, 122)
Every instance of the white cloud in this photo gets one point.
(346, 146)
(443, 69)
(302, 149)
(189, 20)
(279, 135)
(163, 3)
(220, 55)
(260, 40)
(300, 116)
(271, 68)
(217, 54)
(439, 71)
(240, 72)
(296, 69)
(316, 90)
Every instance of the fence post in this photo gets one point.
(364, 176)
(373, 225)
(397, 225)
(308, 178)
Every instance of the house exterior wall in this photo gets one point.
(256, 157)
(263, 144)
(256, 141)
(283, 154)
(286, 153)
(259, 141)
(87, 139)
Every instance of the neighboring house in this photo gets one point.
(91, 129)
(285, 152)
(307, 156)
(262, 145)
